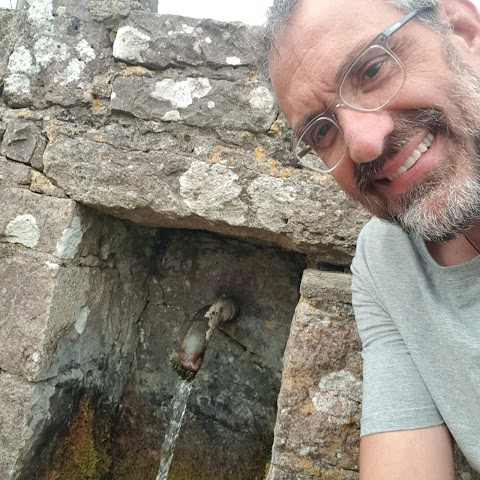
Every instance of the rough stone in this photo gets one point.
(41, 184)
(14, 174)
(56, 59)
(49, 294)
(24, 143)
(55, 223)
(15, 398)
(161, 41)
(13, 23)
(104, 10)
(317, 429)
(240, 105)
(160, 188)
(84, 336)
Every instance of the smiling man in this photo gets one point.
(385, 96)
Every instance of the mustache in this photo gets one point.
(406, 125)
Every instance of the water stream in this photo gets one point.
(179, 404)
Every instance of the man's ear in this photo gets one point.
(464, 18)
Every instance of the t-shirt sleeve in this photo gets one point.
(394, 394)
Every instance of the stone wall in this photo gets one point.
(144, 169)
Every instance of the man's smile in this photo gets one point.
(421, 148)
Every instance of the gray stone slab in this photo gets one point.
(12, 23)
(39, 300)
(225, 193)
(201, 102)
(14, 174)
(23, 143)
(42, 223)
(161, 41)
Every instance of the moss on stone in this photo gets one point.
(82, 454)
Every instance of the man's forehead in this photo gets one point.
(320, 37)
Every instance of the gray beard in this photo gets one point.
(459, 208)
(446, 203)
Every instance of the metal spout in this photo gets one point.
(197, 336)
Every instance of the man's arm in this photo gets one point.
(425, 454)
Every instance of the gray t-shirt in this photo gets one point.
(419, 324)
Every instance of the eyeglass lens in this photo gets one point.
(369, 85)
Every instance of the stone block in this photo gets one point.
(41, 184)
(227, 193)
(12, 23)
(39, 301)
(14, 173)
(318, 420)
(42, 223)
(56, 59)
(15, 400)
(24, 143)
(162, 41)
(201, 102)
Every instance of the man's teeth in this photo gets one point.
(412, 159)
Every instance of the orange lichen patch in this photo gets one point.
(137, 70)
(98, 137)
(51, 130)
(307, 407)
(259, 153)
(271, 324)
(275, 131)
(285, 173)
(216, 154)
(96, 105)
(24, 113)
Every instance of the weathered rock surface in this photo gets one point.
(23, 143)
(12, 23)
(317, 429)
(201, 102)
(15, 397)
(227, 193)
(165, 41)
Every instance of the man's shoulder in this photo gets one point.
(378, 232)
(385, 245)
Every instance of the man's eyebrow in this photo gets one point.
(345, 65)
(351, 57)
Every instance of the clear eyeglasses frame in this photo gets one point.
(369, 84)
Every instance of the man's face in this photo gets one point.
(414, 163)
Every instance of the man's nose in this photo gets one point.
(364, 132)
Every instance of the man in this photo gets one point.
(395, 118)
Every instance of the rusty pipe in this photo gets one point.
(203, 324)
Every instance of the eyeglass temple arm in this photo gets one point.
(393, 28)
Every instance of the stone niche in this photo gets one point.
(227, 432)
(110, 405)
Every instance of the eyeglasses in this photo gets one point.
(370, 83)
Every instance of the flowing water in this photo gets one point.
(179, 404)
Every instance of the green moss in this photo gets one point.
(182, 371)
(82, 454)
(201, 463)
(136, 465)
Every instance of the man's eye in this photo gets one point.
(322, 131)
(322, 136)
(372, 70)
